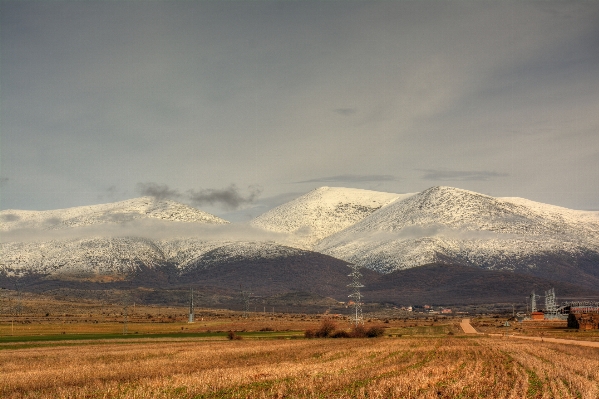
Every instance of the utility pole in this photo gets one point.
(191, 313)
(125, 314)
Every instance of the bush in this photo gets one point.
(375, 332)
(309, 334)
(359, 331)
(326, 328)
(232, 336)
(362, 332)
(340, 334)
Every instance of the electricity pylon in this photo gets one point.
(355, 285)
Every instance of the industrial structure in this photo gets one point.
(246, 302)
(355, 285)
(583, 315)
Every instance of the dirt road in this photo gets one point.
(554, 340)
(467, 327)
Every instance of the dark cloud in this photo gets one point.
(460, 175)
(10, 217)
(345, 111)
(157, 191)
(229, 197)
(350, 178)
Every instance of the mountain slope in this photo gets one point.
(467, 228)
(50, 248)
(323, 212)
(116, 212)
(454, 284)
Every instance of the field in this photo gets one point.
(404, 367)
(88, 351)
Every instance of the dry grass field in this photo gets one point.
(404, 367)
(63, 350)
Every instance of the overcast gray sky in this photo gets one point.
(239, 106)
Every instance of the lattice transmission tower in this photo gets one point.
(550, 304)
(356, 318)
(533, 301)
(246, 302)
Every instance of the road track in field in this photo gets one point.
(468, 329)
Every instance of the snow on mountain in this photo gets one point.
(117, 212)
(468, 227)
(89, 256)
(322, 212)
(240, 251)
(381, 231)
(98, 254)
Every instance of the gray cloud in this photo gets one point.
(147, 228)
(351, 179)
(456, 175)
(259, 207)
(229, 198)
(345, 111)
(97, 93)
(157, 191)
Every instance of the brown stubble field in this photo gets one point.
(403, 367)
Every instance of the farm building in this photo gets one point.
(537, 316)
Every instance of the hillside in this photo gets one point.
(323, 212)
(455, 284)
(471, 229)
(482, 247)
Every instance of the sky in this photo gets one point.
(238, 106)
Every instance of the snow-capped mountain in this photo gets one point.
(77, 240)
(383, 232)
(117, 212)
(322, 212)
(464, 227)
(91, 241)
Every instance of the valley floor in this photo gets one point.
(443, 366)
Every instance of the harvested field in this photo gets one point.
(406, 367)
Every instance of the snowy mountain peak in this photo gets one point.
(116, 212)
(460, 224)
(322, 212)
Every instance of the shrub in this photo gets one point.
(232, 336)
(340, 334)
(359, 331)
(326, 328)
(309, 334)
(375, 332)
(362, 332)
